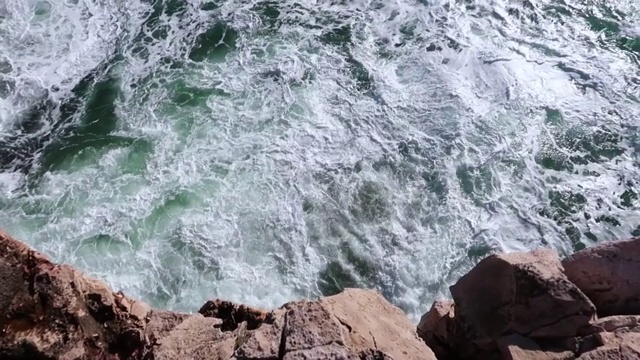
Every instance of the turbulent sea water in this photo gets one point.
(264, 151)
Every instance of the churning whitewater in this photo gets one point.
(264, 151)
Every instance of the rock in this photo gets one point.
(233, 314)
(602, 353)
(437, 326)
(54, 311)
(612, 323)
(264, 342)
(521, 293)
(321, 352)
(517, 347)
(607, 274)
(619, 345)
(51, 311)
(308, 325)
(373, 323)
(197, 337)
(355, 324)
(160, 323)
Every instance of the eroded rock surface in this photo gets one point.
(50, 311)
(53, 311)
(609, 275)
(522, 293)
(528, 306)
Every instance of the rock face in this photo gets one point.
(609, 276)
(50, 311)
(437, 328)
(512, 293)
(524, 306)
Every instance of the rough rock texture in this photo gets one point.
(619, 345)
(374, 323)
(608, 275)
(517, 347)
(50, 311)
(522, 306)
(513, 293)
(436, 328)
(53, 311)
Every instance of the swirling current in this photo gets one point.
(264, 151)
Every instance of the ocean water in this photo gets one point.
(265, 151)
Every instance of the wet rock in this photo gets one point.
(608, 275)
(520, 293)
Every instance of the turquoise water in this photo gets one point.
(263, 151)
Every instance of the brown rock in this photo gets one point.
(321, 352)
(612, 323)
(50, 311)
(233, 314)
(308, 324)
(336, 352)
(160, 323)
(264, 342)
(519, 293)
(374, 323)
(608, 275)
(196, 338)
(517, 347)
(437, 326)
(619, 345)
(54, 311)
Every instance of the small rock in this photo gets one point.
(308, 324)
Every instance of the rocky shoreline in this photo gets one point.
(510, 306)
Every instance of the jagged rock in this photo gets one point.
(619, 345)
(308, 325)
(50, 311)
(608, 275)
(518, 347)
(160, 323)
(233, 314)
(436, 328)
(521, 293)
(264, 343)
(374, 323)
(53, 311)
(197, 337)
(613, 323)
